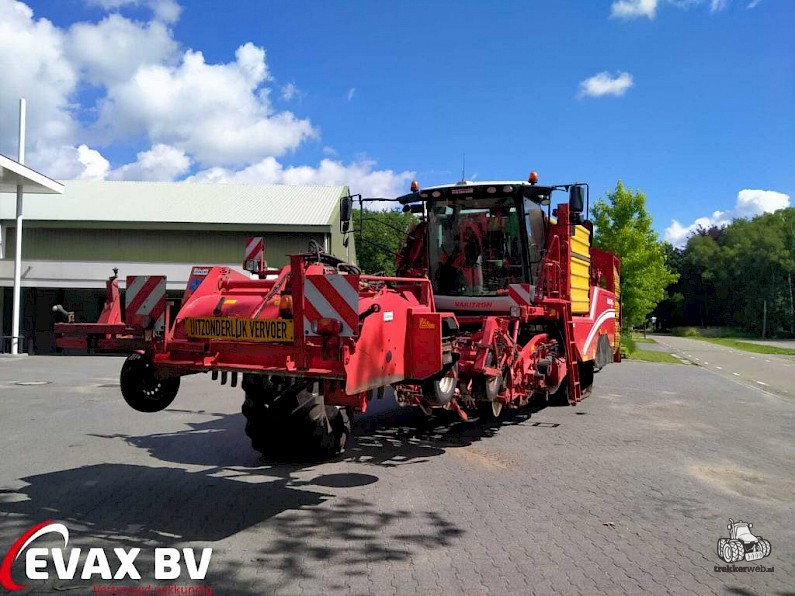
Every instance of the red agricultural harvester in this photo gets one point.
(498, 299)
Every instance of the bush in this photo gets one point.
(627, 345)
(685, 331)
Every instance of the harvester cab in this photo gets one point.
(476, 240)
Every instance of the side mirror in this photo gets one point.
(346, 211)
(750, 525)
(577, 198)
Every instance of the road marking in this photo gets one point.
(767, 360)
(705, 362)
(753, 357)
(736, 374)
(719, 367)
(761, 383)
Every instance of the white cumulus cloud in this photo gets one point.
(161, 162)
(145, 88)
(33, 66)
(167, 11)
(218, 113)
(750, 203)
(111, 51)
(632, 9)
(361, 176)
(606, 84)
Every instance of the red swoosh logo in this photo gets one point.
(5, 568)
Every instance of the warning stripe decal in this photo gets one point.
(522, 294)
(334, 297)
(145, 301)
(254, 247)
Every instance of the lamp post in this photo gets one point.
(18, 252)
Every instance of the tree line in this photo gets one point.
(740, 275)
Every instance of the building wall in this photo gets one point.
(137, 245)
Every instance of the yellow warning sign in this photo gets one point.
(227, 328)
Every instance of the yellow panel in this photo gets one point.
(580, 265)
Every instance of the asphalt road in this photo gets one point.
(771, 372)
(626, 494)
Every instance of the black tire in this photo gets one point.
(586, 370)
(560, 397)
(728, 552)
(141, 389)
(289, 424)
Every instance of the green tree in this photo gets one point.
(379, 236)
(624, 227)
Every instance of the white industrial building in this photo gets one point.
(72, 242)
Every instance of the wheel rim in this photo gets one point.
(447, 383)
(727, 553)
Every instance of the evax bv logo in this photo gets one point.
(96, 564)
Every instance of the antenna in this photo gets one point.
(463, 168)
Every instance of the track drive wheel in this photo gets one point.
(294, 424)
(141, 389)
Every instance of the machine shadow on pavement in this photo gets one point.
(394, 438)
(166, 504)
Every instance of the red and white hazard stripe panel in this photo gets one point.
(522, 294)
(146, 301)
(332, 297)
(254, 257)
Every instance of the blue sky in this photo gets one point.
(697, 103)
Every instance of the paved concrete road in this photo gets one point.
(627, 493)
(770, 372)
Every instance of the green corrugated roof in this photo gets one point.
(119, 201)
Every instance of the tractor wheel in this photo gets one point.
(141, 389)
(294, 426)
(721, 544)
(765, 545)
(728, 552)
(738, 550)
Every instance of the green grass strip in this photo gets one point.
(747, 347)
(654, 356)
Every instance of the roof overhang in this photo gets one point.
(13, 174)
